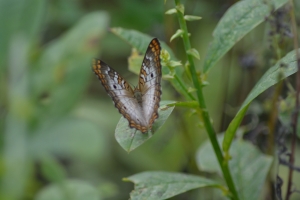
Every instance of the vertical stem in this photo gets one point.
(202, 105)
(273, 118)
(296, 113)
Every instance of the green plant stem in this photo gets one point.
(273, 117)
(189, 95)
(205, 115)
(187, 104)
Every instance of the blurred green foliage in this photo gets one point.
(54, 125)
(57, 124)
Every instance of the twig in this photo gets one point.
(286, 163)
(279, 183)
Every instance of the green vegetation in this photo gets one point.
(227, 126)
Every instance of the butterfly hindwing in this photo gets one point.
(120, 92)
(149, 82)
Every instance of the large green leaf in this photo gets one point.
(129, 138)
(162, 185)
(249, 167)
(140, 42)
(239, 19)
(282, 69)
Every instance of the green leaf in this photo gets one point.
(180, 8)
(187, 104)
(15, 157)
(70, 189)
(171, 11)
(178, 33)
(191, 89)
(238, 20)
(134, 63)
(129, 138)
(163, 185)
(249, 167)
(271, 77)
(70, 137)
(52, 170)
(192, 18)
(194, 52)
(61, 74)
(168, 77)
(174, 64)
(232, 128)
(140, 42)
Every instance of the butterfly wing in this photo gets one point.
(121, 93)
(149, 82)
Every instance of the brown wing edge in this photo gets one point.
(97, 64)
(155, 47)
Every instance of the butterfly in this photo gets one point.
(139, 105)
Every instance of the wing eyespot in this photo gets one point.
(115, 86)
(151, 75)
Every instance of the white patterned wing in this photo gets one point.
(121, 93)
(149, 82)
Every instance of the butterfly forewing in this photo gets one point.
(121, 93)
(149, 82)
(139, 106)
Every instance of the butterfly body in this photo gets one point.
(139, 105)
